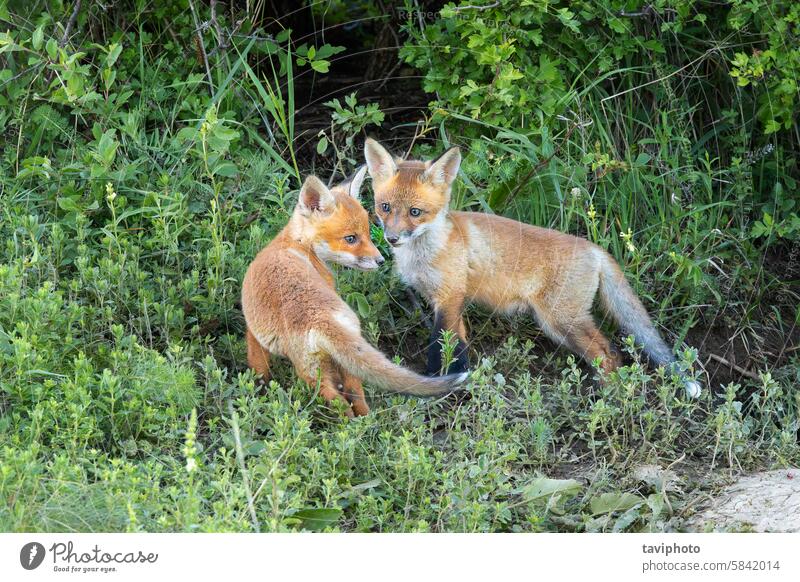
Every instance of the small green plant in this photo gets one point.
(448, 342)
(348, 121)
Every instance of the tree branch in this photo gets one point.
(70, 23)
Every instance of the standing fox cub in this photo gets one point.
(455, 257)
(292, 309)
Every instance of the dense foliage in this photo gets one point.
(150, 149)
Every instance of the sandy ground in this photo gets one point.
(761, 502)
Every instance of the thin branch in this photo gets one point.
(664, 78)
(470, 7)
(215, 23)
(48, 77)
(646, 11)
(733, 366)
(413, 139)
(202, 46)
(70, 23)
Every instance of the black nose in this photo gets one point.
(392, 239)
(380, 260)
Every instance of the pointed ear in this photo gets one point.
(379, 161)
(315, 197)
(352, 185)
(443, 170)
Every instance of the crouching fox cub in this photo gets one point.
(292, 309)
(452, 258)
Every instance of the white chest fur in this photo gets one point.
(414, 261)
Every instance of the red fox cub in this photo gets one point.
(455, 257)
(292, 309)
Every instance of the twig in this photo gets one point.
(733, 366)
(664, 78)
(65, 37)
(199, 31)
(240, 458)
(470, 7)
(70, 23)
(220, 37)
(648, 11)
(413, 139)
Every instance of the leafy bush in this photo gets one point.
(589, 117)
(475, 55)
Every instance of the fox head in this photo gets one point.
(409, 195)
(335, 224)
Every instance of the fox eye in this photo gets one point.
(350, 239)
(415, 212)
(385, 206)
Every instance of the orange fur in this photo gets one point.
(292, 309)
(453, 258)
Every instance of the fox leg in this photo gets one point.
(328, 382)
(589, 342)
(353, 390)
(582, 337)
(257, 356)
(564, 314)
(448, 316)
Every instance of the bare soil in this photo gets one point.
(759, 502)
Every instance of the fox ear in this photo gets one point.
(444, 169)
(379, 161)
(352, 185)
(315, 197)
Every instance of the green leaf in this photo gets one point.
(318, 519)
(52, 48)
(362, 305)
(327, 50)
(321, 66)
(225, 169)
(626, 519)
(322, 145)
(114, 51)
(67, 204)
(610, 502)
(371, 484)
(543, 487)
(37, 38)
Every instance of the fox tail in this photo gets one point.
(621, 302)
(358, 357)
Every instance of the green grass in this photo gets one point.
(131, 212)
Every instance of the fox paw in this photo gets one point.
(693, 389)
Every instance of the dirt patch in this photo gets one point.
(761, 502)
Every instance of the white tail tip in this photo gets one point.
(693, 389)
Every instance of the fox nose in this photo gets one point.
(392, 239)
(380, 260)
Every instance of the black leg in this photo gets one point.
(461, 362)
